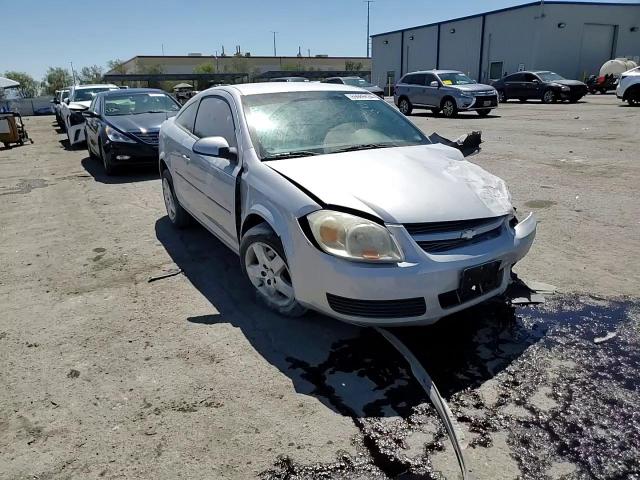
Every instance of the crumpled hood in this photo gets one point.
(79, 105)
(139, 122)
(423, 183)
(475, 87)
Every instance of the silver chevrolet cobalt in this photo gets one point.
(336, 202)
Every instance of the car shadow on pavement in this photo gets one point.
(463, 116)
(352, 370)
(125, 175)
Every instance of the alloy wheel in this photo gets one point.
(269, 273)
(548, 96)
(404, 106)
(448, 108)
(501, 96)
(169, 203)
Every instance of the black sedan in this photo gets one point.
(543, 85)
(122, 126)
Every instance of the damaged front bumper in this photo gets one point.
(418, 291)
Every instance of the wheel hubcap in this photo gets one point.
(168, 199)
(548, 96)
(269, 274)
(404, 107)
(448, 108)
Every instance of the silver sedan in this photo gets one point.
(336, 202)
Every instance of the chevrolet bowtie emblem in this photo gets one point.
(468, 234)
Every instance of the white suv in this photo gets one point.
(79, 99)
(629, 86)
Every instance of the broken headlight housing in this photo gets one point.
(353, 238)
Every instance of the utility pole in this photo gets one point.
(368, 2)
(73, 73)
(275, 51)
(162, 49)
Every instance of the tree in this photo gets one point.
(117, 66)
(92, 74)
(28, 86)
(205, 68)
(56, 79)
(351, 66)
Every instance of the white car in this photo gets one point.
(336, 202)
(79, 99)
(59, 97)
(629, 86)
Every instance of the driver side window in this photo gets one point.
(214, 119)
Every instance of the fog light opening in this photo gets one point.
(122, 157)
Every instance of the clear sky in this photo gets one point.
(36, 34)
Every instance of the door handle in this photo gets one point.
(186, 157)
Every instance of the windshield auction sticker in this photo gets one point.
(361, 96)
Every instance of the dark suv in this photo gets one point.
(543, 85)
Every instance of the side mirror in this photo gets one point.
(215, 147)
(434, 84)
(89, 114)
(66, 100)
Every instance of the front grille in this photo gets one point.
(454, 298)
(480, 99)
(451, 226)
(407, 307)
(148, 137)
(436, 246)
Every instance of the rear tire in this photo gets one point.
(449, 108)
(264, 264)
(484, 112)
(177, 215)
(405, 107)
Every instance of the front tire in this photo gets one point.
(177, 215)
(265, 266)
(449, 108)
(548, 97)
(405, 107)
(109, 167)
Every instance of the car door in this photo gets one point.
(530, 86)
(215, 177)
(178, 143)
(513, 85)
(431, 95)
(416, 88)
(92, 124)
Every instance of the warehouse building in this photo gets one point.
(571, 38)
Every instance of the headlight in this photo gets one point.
(116, 136)
(353, 238)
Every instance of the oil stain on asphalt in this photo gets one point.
(533, 374)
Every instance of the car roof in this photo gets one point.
(435, 71)
(281, 87)
(129, 91)
(93, 85)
